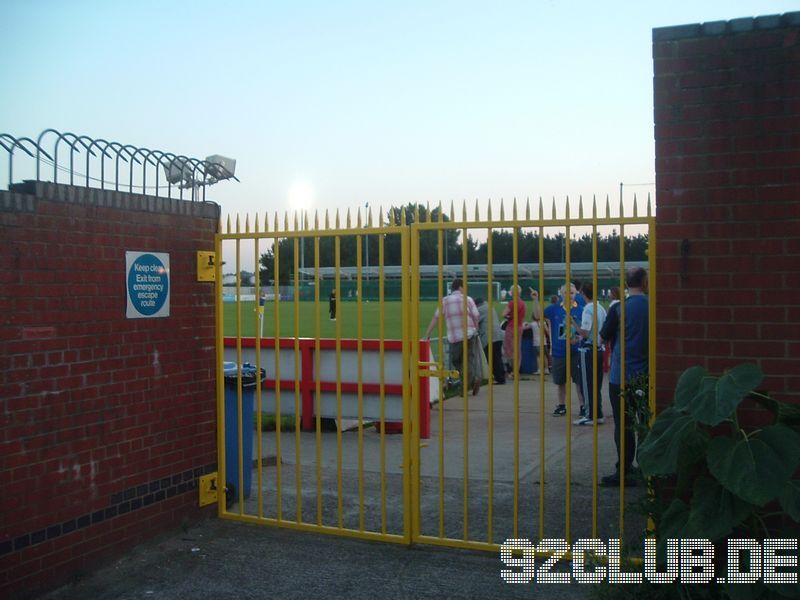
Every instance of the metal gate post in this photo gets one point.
(410, 390)
(412, 336)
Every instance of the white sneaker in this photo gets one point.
(588, 421)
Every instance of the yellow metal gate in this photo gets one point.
(363, 432)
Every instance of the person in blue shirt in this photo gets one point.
(637, 347)
(560, 329)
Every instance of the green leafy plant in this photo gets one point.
(728, 477)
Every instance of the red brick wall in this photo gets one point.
(727, 129)
(106, 422)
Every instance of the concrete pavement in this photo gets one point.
(232, 559)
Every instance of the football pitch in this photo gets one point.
(305, 323)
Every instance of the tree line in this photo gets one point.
(452, 247)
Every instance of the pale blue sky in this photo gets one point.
(356, 102)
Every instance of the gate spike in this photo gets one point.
(452, 212)
(649, 206)
(237, 223)
(463, 211)
(295, 221)
(594, 207)
(528, 208)
(305, 220)
(541, 209)
(316, 219)
(502, 210)
(247, 223)
(266, 220)
(380, 216)
(416, 212)
(369, 217)
(402, 216)
(229, 224)
(276, 222)
(514, 209)
(580, 206)
(477, 212)
(358, 220)
(327, 220)
(337, 221)
(621, 209)
(427, 211)
(285, 221)
(441, 213)
(489, 210)
(635, 208)
(608, 207)
(553, 209)
(255, 223)
(566, 214)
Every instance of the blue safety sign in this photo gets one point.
(147, 282)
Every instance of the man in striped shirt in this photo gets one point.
(459, 310)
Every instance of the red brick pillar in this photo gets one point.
(106, 422)
(727, 130)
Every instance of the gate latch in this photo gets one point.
(207, 489)
(206, 263)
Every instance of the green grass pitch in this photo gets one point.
(347, 319)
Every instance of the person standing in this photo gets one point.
(486, 322)
(332, 304)
(561, 329)
(537, 326)
(459, 310)
(636, 345)
(610, 327)
(548, 340)
(514, 316)
(589, 363)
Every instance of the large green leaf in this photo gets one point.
(790, 499)
(672, 524)
(703, 406)
(756, 468)
(788, 414)
(714, 511)
(660, 450)
(731, 389)
(687, 387)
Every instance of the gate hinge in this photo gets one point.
(208, 489)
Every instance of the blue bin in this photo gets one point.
(248, 382)
(528, 355)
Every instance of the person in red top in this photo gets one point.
(514, 317)
(454, 307)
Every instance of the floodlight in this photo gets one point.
(220, 167)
